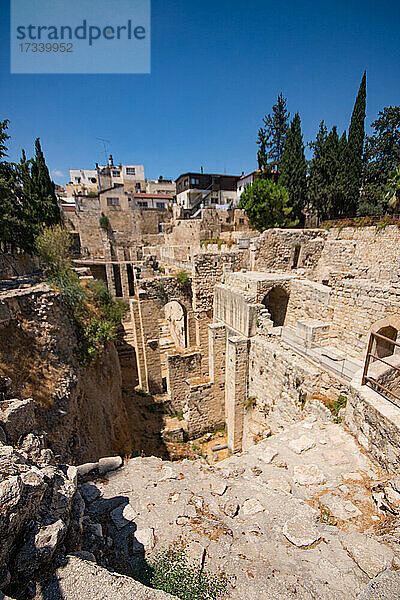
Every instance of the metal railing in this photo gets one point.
(328, 358)
(372, 381)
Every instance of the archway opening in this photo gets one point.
(173, 332)
(385, 347)
(276, 302)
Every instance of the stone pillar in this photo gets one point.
(180, 367)
(236, 373)
(110, 279)
(216, 357)
(124, 280)
(202, 321)
(190, 329)
(147, 342)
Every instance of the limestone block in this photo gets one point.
(18, 419)
(300, 532)
(301, 444)
(308, 475)
(371, 556)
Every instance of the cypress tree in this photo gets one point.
(354, 159)
(324, 168)
(42, 190)
(293, 168)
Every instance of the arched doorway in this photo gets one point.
(276, 302)
(385, 347)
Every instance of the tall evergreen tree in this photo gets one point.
(274, 131)
(42, 190)
(324, 195)
(262, 158)
(293, 168)
(354, 157)
(381, 157)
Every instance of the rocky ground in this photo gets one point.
(302, 515)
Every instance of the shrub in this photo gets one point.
(182, 278)
(104, 221)
(96, 315)
(250, 402)
(53, 246)
(172, 572)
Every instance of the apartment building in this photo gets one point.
(198, 190)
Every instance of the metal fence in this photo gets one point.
(330, 359)
(367, 379)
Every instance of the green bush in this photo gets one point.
(96, 315)
(172, 572)
(182, 278)
(104, 221)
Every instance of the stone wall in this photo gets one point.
(275, 249)
(375, 423)
(232, 309)
(16, 263)
(308, 300)
(180, 367)
(81, 409)
(127, 228)
(208, 270)
(281, 386)
(364, 252)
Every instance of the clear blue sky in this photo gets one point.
(217, 67)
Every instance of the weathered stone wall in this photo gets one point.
(280, 384)
(275, 248)
(127, 228)
(375, 423)
(364, 252)
(308, 300)
(81, 409)
(16, 263)
(358, 304)
(232, 309)
(180, 367)
(208, 270)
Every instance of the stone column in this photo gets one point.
(236, 373)
(110, 279)
(147, 341)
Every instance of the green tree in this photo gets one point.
(271, 137)
(266, 205)
(262, 158)
(293, 168)
(14, 224)
(381, 157)
(354, 156)
(42, 190)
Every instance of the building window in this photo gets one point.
(77, 179)
(130, 171)
(93, 180)
(137, 187)
(112, 201)
(115, 173)
(143, 204)
(160, 204)
(214, 200)
(241, 221)
(194, 181)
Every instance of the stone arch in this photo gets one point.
(175, 314)
(389, 328)
(276, 302)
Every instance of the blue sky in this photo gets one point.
(217, 67)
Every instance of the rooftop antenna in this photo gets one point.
(105, 142)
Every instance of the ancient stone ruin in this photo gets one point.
(248, 412)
